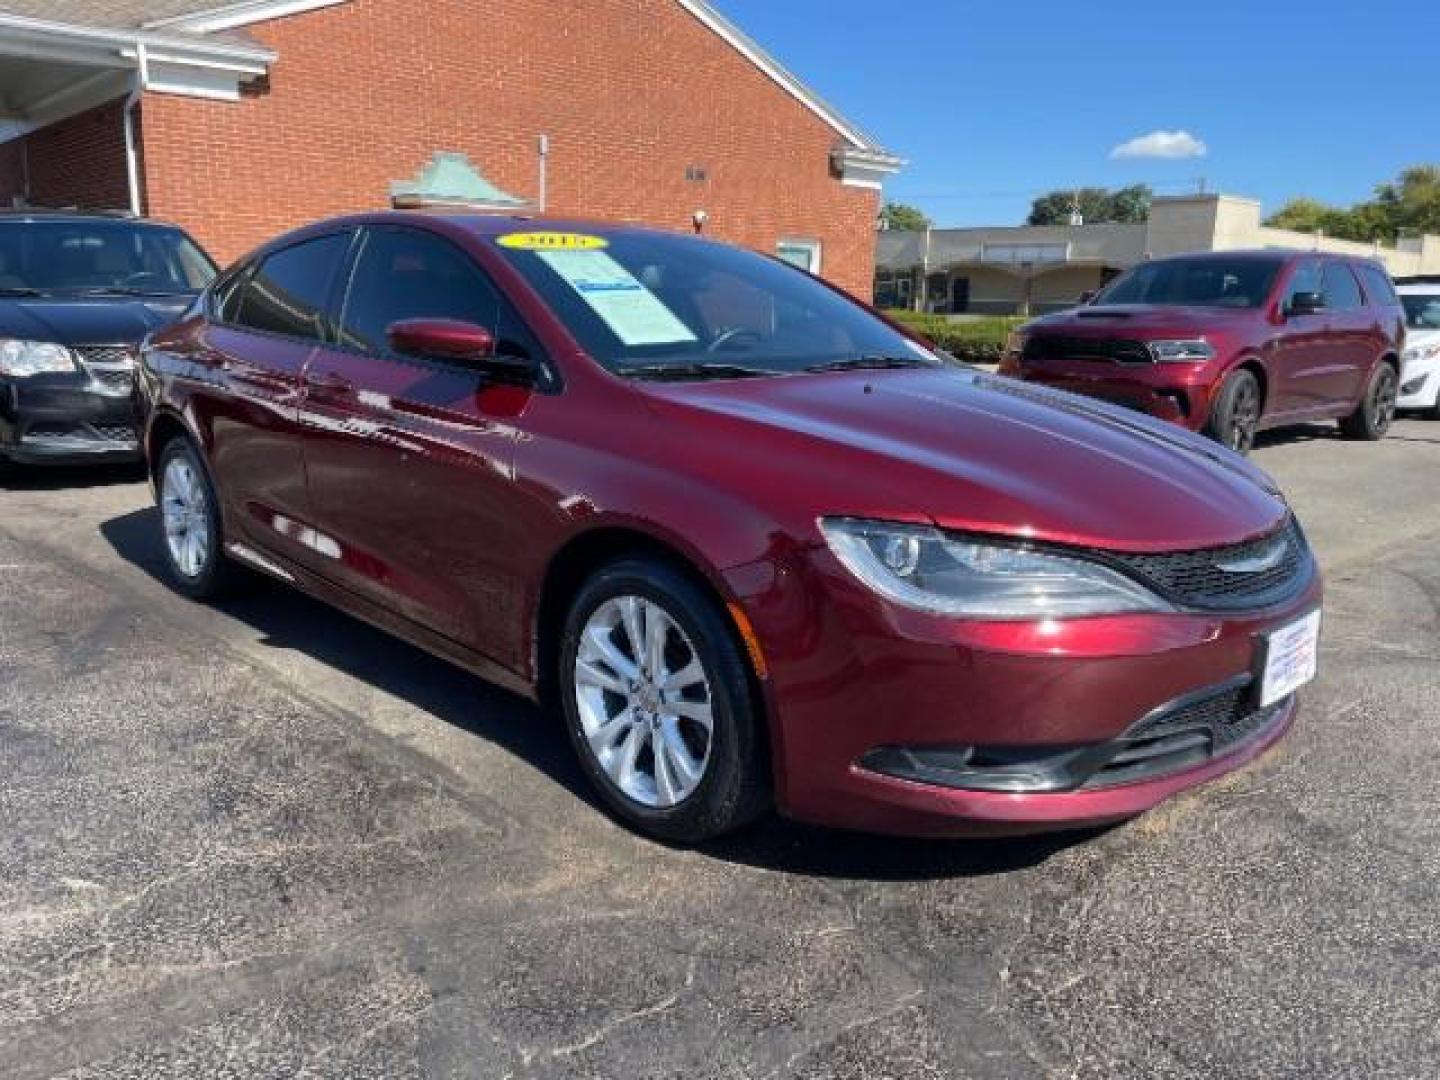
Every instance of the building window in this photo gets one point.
(802, 253)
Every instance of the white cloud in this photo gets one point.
(1162, 144)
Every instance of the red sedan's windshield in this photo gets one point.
(638, 302)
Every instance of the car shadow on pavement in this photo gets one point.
(66, 477)
(790, 847)
(287, 619)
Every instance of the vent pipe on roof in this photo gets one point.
(132, 164)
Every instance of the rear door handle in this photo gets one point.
(331, 381)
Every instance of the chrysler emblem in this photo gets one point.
(1266, 559)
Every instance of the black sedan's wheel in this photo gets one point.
(190, 517)
(1235, 416)
(1371, 421)
(658, 701)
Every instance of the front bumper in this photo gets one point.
(67, 419)
(850, 676)
(1419, 386)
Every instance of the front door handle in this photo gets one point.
(331, 381)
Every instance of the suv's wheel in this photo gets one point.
(1235, 416)
(659, 703)
(190, 517)
(1371, 420)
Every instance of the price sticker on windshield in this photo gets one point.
(552, 241)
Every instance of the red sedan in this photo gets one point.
(761, 548)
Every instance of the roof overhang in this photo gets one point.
(50, 70)
(864, 168)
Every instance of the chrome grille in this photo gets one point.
(1253, 574)
(113, 366)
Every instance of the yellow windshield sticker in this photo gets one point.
(552, 241)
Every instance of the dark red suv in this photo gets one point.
(756, 544)
(1232, 343)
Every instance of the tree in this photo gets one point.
(903, 218)
(1096, 205)
(1410, 204)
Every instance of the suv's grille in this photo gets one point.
(1246, 575)
(111, 365)
(1114, 350)
(1187, 735)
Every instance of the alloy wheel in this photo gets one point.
(644, 701)
(186, 512)
(1386, 395)
(1244, 417)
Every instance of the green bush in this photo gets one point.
(975, 341)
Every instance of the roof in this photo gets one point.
(110, 14)
(220, 20)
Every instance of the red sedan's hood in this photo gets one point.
(968, 451)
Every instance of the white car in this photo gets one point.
(1420, 374)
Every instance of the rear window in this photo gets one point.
(1209, 282)
(1377, 285)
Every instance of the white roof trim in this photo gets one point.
(788, 81)
(234, 15)
(43, 30)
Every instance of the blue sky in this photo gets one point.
(993, 103)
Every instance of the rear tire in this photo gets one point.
(637, 714)
(1235, 415)
(1372, 419)
(191, 527)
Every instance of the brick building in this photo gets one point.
(240, 120)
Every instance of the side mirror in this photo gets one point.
(1305, 303)
(451, 339)
(1088, 296)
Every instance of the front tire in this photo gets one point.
(1235, 416)
(1371, 420)
(190, 520)
(659, 703)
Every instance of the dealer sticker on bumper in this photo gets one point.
(1292, 658)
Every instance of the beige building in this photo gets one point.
(1033, 270)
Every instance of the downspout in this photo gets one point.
(132, 163)
(544, 148)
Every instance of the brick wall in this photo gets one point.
(76, 162)
(631, 96)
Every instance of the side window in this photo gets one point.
(225, 297)
(289, 291)
(1342, 291)
(409, 274)
(1377, 285)
(1307, 279)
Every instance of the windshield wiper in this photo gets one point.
(123, 290)
(677, 372)
(20, 290)
(873, 363)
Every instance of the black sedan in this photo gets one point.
(78, 293)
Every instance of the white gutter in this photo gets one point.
(132, 164)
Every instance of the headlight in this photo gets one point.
(22, 358)
(925, 569)
(1428, 351)
(1182, 352)
(1015, 343)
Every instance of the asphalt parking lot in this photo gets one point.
(267, 841)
